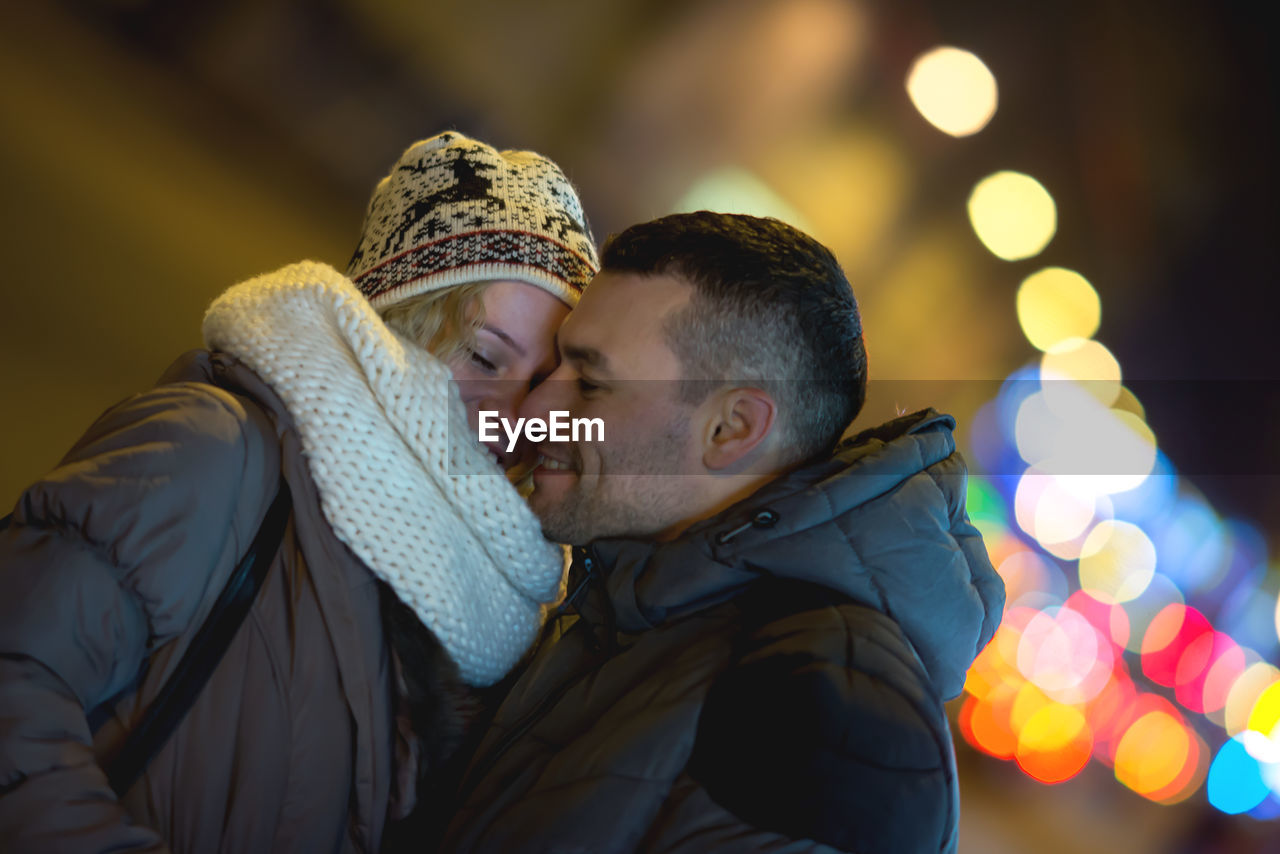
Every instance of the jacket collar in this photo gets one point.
(882, 520)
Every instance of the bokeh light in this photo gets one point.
(1108, 617)
(1013, 215)
(1265, 716)
(1062, 653)
(1105, 550)
(1235, 783)
(1027, 574)
(1153, 752)
(1056, 304)
(1075, 364)
(1054, 744)
(1192, 541)
(734, 190)
(1105, 451)
(1151, 498)
(953, 90)
(1142, 610)
(1036, 429)
(1128, 401)
(988, 723)
(1052, 509)
(1070, 549)
(1167, 638)
(1117, 562)
(1222, 673)
(1244, 694)
(986, 509)
(1196, 664)
(1192, 775)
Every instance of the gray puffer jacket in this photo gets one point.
(773, 680)
(113, 560)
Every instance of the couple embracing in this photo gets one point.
(748, 650)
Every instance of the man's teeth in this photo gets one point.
(553, 465)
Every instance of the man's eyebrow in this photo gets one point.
(589, 355)
(488, 327)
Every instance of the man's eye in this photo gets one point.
(585, 386)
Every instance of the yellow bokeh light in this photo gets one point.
(807, 165)
(1128, 402)
(1054, 744)
(1056, 304)
(1117, 562)
(953, 90)
(1152, 753)
(734, 190)
(1265, 716)
(1074, 365)
(1192, 775)
(1013, 215)
(1029, 700)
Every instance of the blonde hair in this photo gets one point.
(442, 322)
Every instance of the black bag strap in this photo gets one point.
(202, 656)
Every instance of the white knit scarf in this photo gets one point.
(376, 414)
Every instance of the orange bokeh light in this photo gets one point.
(1054, 744)
(985, 723)
(1153, 753)
(1110, 713)
(1192, 775)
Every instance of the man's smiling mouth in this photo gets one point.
(553, 465)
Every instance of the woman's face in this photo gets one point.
(515, 349)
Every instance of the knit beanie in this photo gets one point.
(455, 210)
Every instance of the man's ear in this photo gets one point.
(739, 422)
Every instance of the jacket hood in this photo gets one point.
(882, 521)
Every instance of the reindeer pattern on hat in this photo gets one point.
(452, 202)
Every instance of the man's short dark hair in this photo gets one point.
(770, 306)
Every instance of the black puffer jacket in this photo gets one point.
(775, 675)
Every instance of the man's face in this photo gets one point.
(616, 366)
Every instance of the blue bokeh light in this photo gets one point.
(1235, 783)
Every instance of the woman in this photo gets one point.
(408, 568)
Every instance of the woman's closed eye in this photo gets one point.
(483, 362)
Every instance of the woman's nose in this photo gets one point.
(542, 398)
(506, 397)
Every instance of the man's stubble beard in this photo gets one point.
(641, 494)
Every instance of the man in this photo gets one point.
(760, 630)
